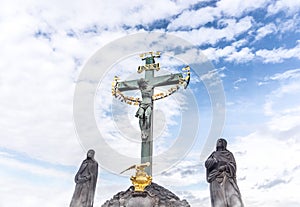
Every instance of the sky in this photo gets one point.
(58, 59)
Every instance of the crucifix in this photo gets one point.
(146, 86)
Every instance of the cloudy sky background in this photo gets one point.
(253, 45)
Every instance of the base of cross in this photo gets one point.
(153, 196)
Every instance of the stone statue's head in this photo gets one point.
(221, 144)
(142, 82)
(91, 153)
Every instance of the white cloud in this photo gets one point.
(240, 43)
(30, 183)
(232, 28)
(213, 74)
(265, 30)
(228, 8)
(237, 7)
(244, 55)
(289, 74)
(215, 53)
(288, 6)
(230, 54)
(267, 158)
(238, 81)
(34, 169)
(98, 15)
(38, 74)
(194, 18)
(290, 24)
(213, 77)
(19, 191)
(282, 103)
(278, 55)
(284, 123)
(37, 84)
(188, 169)
(280, 26)
(266, 167)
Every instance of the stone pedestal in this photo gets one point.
(153, 196)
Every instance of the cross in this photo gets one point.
(145, 112)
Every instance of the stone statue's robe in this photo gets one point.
(85, 180)
(224, 191)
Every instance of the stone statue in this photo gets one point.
(85, 179)
(221, 174)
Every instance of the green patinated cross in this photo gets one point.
(146, 86)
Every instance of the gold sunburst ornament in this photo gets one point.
(184, 82)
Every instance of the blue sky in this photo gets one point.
(254, 49)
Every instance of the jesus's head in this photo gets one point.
(142, 83)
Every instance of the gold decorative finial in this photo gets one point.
(141, 178)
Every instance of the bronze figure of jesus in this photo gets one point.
(144, 112)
